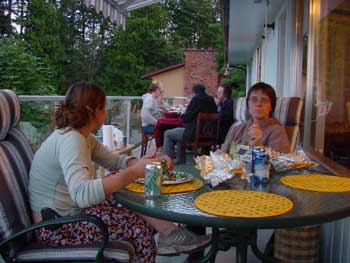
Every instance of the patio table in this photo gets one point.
(163, 124)
(310, 208)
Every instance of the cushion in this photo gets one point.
(9, 111)
(15, 159)
(120, 251)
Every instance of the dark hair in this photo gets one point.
(153, 87)
(267, 90)
(227, 90)
(198, 88)
(82, 99)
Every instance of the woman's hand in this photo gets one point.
(255, 134)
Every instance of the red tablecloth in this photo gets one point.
(164, 124)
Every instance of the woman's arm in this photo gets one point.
(136, 169)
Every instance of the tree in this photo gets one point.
(5, 18)
(22, 71)
(143, 47)
(189, 22)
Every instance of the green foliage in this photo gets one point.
(141, 48)
(189, 22)
(23, 71)
(67, 42)
(5, 21)
(42, 32)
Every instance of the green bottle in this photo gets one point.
(232, 150)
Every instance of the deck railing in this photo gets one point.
(37, 113)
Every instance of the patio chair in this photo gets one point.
(145, 138)
(18, 242)
(206, 135)
(287, 111)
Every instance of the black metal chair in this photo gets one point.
(206, 135)
(145, 138)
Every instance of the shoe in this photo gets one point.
(181, 240)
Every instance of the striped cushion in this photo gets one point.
(9, 111)
(240, 110)
(121, 251)
(287, 111)
(15, 159)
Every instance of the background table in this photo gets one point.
(164, 124)
(310, 208)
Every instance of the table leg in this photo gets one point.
(211, 255)
(241, 239)
(241, 253)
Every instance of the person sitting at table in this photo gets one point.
(200, 102)
(225, 108)
(265, 130)
(63, 179)
(262, 129)
(150, 108)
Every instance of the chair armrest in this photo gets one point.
(65, 220)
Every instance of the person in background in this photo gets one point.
(163, 106)
(225, 108)
(262, 129)
(63, 179)
(150, 108)
(200, 102)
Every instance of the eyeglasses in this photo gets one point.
(262, 100)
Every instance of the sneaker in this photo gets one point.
(181, 240)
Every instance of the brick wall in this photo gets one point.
(200, 67)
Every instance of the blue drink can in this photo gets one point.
(260, 165)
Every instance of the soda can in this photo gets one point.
(260, 165)
(153, 179)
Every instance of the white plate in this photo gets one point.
(182, 178)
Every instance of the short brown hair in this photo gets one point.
(153, 87)
(267, 90)
(82, 99)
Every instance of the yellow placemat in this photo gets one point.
(243, 203)
(192, 185)
(317, 182)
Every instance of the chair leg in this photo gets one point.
(145, 149)
(142, 146)
(195, 151)
(181, 154)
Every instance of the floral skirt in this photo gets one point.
(122, 225)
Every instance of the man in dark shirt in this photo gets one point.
(225, 108)
(201, 102)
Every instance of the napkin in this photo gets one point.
(107, 135)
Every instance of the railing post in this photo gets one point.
(128, 108)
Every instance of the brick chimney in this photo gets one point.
(200, 67)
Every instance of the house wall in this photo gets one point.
(173, 81)
(277, 52)
(201, 67)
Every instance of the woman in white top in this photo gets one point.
(63, 178)
(150, 108)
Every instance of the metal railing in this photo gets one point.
(37, 113)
